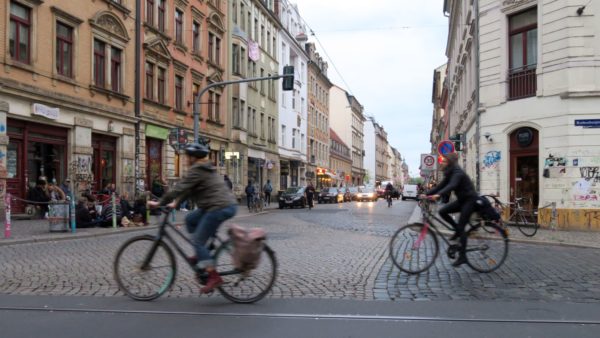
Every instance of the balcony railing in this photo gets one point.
(522, 82)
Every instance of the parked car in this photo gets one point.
(366, 194)
(328, 195)
(292, 197)
(409, 191)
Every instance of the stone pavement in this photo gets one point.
(37, 230)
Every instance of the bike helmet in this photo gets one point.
(197, 150)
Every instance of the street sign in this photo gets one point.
(446, 147)
(428, 162)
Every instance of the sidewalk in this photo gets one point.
(584, 239)
(38, 230)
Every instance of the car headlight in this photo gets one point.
(297, 198)
(371, 195)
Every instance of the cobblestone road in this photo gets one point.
(332, 251)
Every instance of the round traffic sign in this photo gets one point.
(429, 161)
(445, 147)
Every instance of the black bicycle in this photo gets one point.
(524, 219)
(145, 266)
(414, 247)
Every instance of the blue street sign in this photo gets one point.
(445, 147)
(593, 123)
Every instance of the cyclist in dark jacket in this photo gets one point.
(215, 203)
(455, 179)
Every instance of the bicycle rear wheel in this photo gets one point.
(249, 286)
(149, 282)
(414, 248)
(527, 227)
(486, 252)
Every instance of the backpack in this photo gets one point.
(268, 188)
(248, 245)
(486, 210)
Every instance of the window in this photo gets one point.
(234, 13)
(150, 12)
(254, 121)
(235, 59)
(149, 81)
(64, 49)
(242, 17)
(196, 37)
(235, 107)
(262, 82)
(99, 62)
(178, 92)
(217, 107)
(249, 119)
(523, 54)
(268, 47)
(274, 46)
(20, 30)
(262, 125)
(241, 113)
(293, 138)
(161, 84)
(249, 18)
(161, 15)
(214, 48)
(242, 61)
(115, 69)
(179, 26)
(262, 36)
(256, 30)
(283, 135)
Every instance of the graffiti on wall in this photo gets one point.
(81, 169)
(491, 160)
(590, 174)
(128, 171)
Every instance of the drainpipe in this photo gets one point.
(137, 94)
(477, 112)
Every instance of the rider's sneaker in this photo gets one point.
(213, 281)
(460, 261)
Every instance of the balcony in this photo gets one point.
(522, 82)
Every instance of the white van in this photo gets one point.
(409, 191)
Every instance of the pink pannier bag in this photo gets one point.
(248, 245)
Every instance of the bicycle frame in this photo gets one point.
(164, 236)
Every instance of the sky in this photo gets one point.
(385, 52)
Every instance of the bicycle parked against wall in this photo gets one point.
(257, 202)
(414, 247)
(526, 220)
(145, 266)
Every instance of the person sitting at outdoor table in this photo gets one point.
(85, 216)
(56, 194)
(109, 189)
(66, 187)
(40, 195)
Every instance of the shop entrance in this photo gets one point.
(34, 152)
(524, 166)
(103, 164)
(153, 160)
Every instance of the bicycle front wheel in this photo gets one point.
(414, 248)
(487, 251)
(144, 282)
(528, 227)
(245, 286)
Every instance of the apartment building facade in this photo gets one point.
(535, 131)
(66, 105)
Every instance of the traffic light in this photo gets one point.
(440, 159)
(288, 81)
(457, 139)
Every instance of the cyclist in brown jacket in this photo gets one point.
(215, 202)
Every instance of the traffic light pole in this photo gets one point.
(223, 84)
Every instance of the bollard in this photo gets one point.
(7, 220)
(114, 210)
(72, 212)
(147, 210)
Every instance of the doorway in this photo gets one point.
(524, 166)
(104, 161)
(154, 149)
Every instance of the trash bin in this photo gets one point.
(58, 216)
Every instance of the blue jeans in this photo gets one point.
(203, 225)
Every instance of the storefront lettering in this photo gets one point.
(45, 111)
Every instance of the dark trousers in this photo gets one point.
(309, 199)
(465, 208)
(268, 198)
(249, 199)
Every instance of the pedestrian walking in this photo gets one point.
(249, 193)
(228, 182)
(268, 188)
(310, 193)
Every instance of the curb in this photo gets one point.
(109, 232)
(416, 218)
